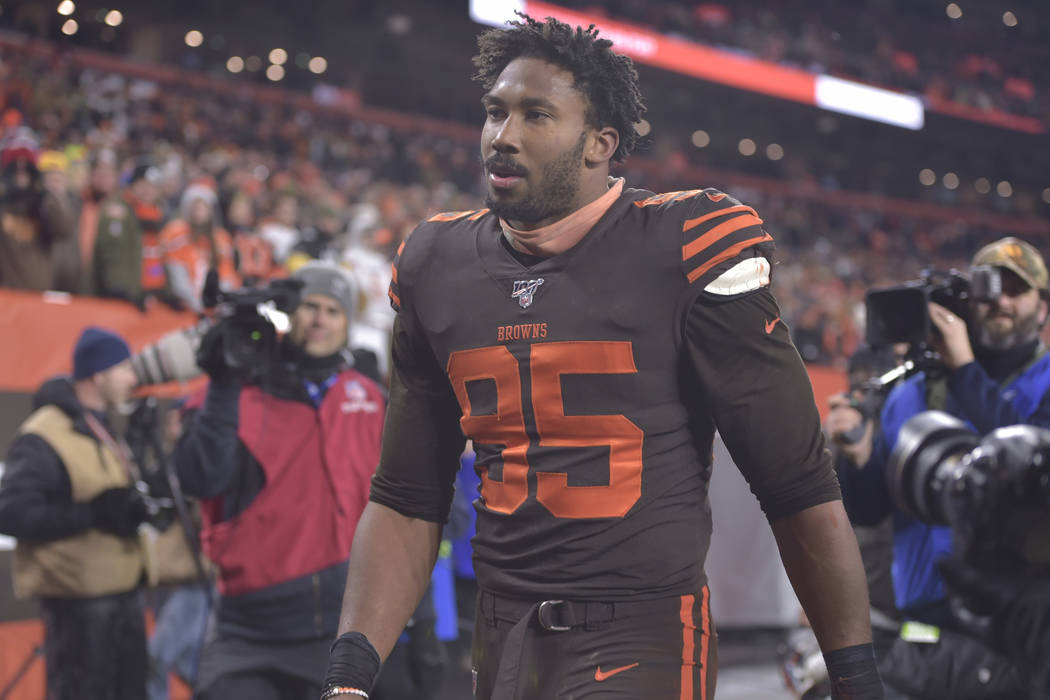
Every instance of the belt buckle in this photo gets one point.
(545, 616)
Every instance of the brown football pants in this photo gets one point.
(663, 649)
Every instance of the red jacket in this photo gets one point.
(318, 465)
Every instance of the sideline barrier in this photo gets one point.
(40, 329)
(44, 327)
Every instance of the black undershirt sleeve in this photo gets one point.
(422, 440)
(759, 394)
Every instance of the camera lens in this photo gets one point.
(924, 462)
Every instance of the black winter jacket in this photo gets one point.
(36, 500)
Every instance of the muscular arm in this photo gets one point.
(821, 557)
(760, 397)
(390, 564)
(762, 402)
(395, 545)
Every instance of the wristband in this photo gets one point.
(853, 673)
(340, 690)
(353, 665)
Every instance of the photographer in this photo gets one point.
(283, 461)
(1017, 616)
(852, 420)
(67, 497)
(995, 372)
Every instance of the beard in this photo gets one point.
(1025, 329)
(555, 194)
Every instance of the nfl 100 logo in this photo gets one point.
(525, 291)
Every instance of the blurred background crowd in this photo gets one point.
(903, 51)
(129, 179)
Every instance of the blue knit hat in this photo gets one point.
(97, 350)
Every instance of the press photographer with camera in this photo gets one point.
(281, 451)
(994, 494)
(69, 499)
(992, 371)
(1018, 615)
(852, 419)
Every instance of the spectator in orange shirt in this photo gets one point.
(253, 253)
(194, 243)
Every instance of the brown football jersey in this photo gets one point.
(572, 378)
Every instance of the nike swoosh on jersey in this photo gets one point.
(600, 675)
(770, 325)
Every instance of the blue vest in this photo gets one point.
(916, 545)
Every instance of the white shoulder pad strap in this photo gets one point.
(746, 276)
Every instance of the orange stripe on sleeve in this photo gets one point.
(451, 215)
(688, 646)
(719, 232)
(693, 223)
(396, 299)
(401, 247)
(393, 272)
(657, 199)
(480, 214)
(705, 639)
(726, 254)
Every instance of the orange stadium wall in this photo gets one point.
(39, 331)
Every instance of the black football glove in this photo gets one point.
(211, 354)
(119, 511)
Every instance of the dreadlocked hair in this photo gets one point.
(607, 79)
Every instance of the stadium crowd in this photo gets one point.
(905, 51)
(104, 159)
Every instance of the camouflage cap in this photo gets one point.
(1017, 256)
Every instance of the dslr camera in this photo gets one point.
(243, 326)
(994, 492)
(900, 314)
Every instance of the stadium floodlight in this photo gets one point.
(869, 102)
(66, 8)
